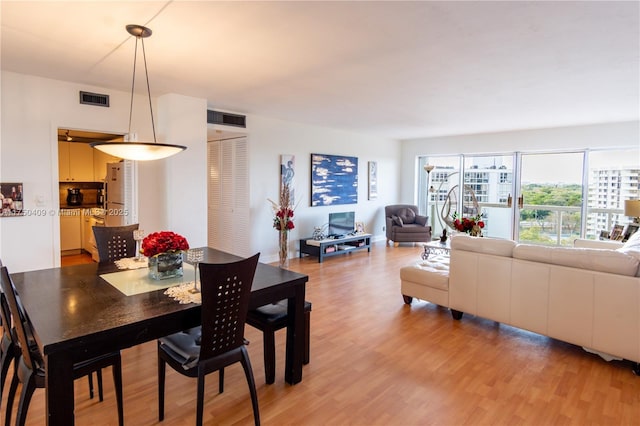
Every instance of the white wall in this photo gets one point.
(269, 138)
(33, 108)
(182, 120)
(625, 134)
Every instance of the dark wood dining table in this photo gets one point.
(77, 315)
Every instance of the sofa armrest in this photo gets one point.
(388, 228)
(485, 245)
(599, 244)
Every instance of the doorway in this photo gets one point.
(81, 191)
(228, 195)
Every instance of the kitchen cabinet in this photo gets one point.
(75, 162)
(71, 229)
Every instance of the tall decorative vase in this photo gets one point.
(166, 265)
(284, 249)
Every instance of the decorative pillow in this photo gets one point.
(421, 220)
(632, 248)
(633, 241)
(407, 215)
(397, 220)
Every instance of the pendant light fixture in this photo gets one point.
(140, 151)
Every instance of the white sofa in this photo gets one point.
(588, 295)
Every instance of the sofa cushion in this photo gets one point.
(408, 216)
(397, 220)
(494, 246)
(412, 228)
(602, 260)
(433, 272)
(601, 244)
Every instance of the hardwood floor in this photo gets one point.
(377, 361)
(75, 259)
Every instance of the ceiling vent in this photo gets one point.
(226, 118)
(95, 99)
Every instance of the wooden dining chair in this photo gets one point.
(115, 242)
(271, 318)
(30, 368)
(8, 350)
(226, 289)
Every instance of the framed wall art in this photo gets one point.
(334, 180)
(11, 199)
(373, 180)
(604, 235)
(616, 232)
(287, 174)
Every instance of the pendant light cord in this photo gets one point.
(146, 73)
(133, 85)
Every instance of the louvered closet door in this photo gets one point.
(228, 196)
(130, 192)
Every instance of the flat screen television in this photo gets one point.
(341, 223)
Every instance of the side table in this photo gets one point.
(333, 247)
(435, 248)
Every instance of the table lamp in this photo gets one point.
(632, 209)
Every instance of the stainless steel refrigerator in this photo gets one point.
(117, 206)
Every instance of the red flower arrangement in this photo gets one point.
(470, 225)
(163, 242)
(283, 219)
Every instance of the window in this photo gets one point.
(590, 201)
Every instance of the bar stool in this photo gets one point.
(269, 319)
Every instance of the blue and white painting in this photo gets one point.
(334, 180)
(287, 175)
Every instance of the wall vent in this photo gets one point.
(226, 118)
(95, 99)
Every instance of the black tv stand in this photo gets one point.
(334, 246)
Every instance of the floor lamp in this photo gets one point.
(428, 168)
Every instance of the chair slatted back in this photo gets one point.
(20, 319)
(115, 242)
(226, 289)
(5, 317)
(4, 313)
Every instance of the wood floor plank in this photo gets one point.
(377, 361)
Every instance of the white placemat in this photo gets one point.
(131, 263)
(182, 293)
(136, 281)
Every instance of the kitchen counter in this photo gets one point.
(83, 206)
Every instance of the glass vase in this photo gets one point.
(166, 265)
(284, 249)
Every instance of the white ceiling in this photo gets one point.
(391, 68)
